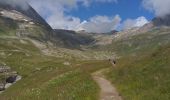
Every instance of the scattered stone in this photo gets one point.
(27, 54)
(38, 69)
(8, 77)
(2, 54)
(14, 73)
(66, 63)
(18, 78)
(4, 69)
(2, 86)
(8, 85)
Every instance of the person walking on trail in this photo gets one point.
(113, 62)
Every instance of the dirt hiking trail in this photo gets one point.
(108, 91)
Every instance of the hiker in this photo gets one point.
(113, 62)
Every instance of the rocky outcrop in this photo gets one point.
(4, 69)
(11, 79)
(7, 77)
(2, 86)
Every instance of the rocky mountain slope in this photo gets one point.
(72, 39)
(29, 12)
(28, 23)
(155, 24)
(159, 21)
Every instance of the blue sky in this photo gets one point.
(100, 15)
(125, 8)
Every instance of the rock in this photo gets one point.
(18, 78)
(66, 63)
(11, 79)
(38, 69)
(8, 77)
(8, 85)
(14, 73)
(4, 69)
(2, 86)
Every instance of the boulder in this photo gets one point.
(2, 86)
(11, 79)
(4, 69)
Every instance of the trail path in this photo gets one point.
(108, 91)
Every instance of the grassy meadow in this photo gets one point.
(46, 77)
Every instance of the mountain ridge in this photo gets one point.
(29, 12)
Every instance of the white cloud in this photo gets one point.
(21, 3)
(54, 12)
(131, 23)
(100, 24)
(88, 2)
(60, 21)
(159, 7)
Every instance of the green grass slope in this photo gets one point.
(46, 77)
(142, 72)
(7, 26)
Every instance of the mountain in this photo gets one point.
(72, 39)
(156, 23)
(23, 23)
(29, 12)
(31, 23)
(113, 32)
(42, 63)
(159, 21)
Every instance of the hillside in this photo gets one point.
(29, 12)
(142, 70)
(71, 39)
(43, 59)
(56, 64)
(28, 23)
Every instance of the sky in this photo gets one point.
(98, 16)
